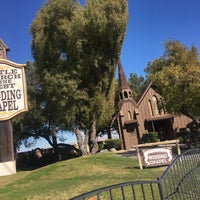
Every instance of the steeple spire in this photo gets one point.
(127, 111)
(123, 83)
(124, 89)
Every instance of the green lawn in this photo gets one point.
(70, 178)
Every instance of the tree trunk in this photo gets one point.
(80, 141)
(93, 140)
(55, 144)
(86, 142)
(109, 133)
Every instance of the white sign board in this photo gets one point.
(157, 157)
(13, 97)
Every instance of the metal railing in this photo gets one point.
(180, 181)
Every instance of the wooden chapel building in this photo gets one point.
(138, 118)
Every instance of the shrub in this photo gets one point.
(101, 146)
(150, 137)
(113, 143)
(181, 139)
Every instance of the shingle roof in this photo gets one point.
(123, 83)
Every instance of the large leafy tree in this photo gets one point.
(137, 84)
(76, 50)
(176, 76)
(36, 123)
(29, 123)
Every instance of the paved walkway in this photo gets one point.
(131, 153)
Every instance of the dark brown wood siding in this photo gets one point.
(179, 122)
(6, 142)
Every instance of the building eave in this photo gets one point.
(160, 117)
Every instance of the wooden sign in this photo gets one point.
(157, 157)
(13, 97)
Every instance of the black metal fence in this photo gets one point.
(180, 181)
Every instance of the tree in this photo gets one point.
(137, 85)
(176, 76)
(29, 123)
(32, 123)
(35, 124)
(76, 50)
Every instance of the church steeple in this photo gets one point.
(127, 112)
(3, 50)
(124, 89)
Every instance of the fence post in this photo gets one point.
(159, 181)
(139, 157)
(178, 147)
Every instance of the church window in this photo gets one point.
(125, 94)
(130, 94)
(163, 110)
(150, 107)
(129, 115)
(155, 105)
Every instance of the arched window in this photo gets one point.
(125, 94)
(130, 94)
(150, 107)
(155, 105)
(129, 115)
(162, 111)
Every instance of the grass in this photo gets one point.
(66, 179)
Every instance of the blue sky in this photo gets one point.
(151, 24)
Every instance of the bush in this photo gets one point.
(113, 143)
(181, 139)
(101, 146)
(150, 137)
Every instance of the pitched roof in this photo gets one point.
(144, 94)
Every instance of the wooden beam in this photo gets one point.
(157, 143)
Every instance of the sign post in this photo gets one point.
(13, 101)
(156, 156)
